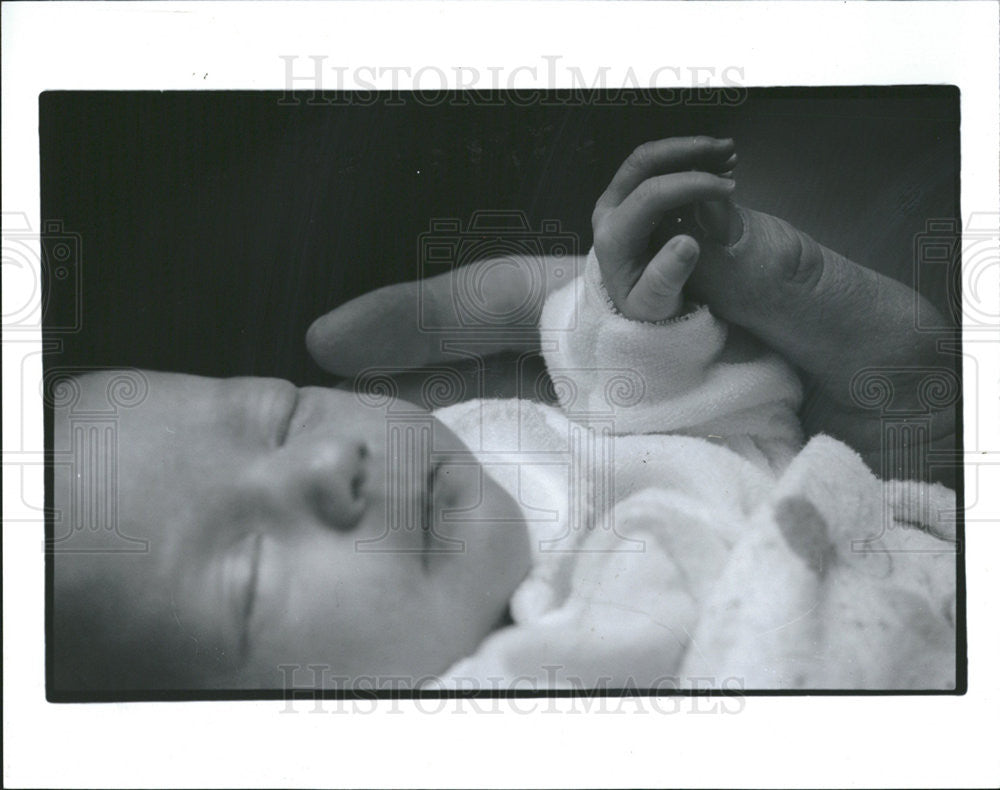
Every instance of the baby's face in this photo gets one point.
(287, 528)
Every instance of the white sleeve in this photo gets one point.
(682, 375)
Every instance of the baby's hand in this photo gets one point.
(643, 220)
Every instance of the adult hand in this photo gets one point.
(851, 331)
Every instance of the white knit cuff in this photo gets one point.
(650, 377)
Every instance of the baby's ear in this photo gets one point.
(806, 532)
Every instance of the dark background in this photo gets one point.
(210, 228)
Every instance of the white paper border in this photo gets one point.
(901, 741)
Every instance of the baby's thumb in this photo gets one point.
(658, 293)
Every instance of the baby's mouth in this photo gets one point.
(439, 532)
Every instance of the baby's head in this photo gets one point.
(286, 528)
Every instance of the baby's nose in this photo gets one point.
(333, 478)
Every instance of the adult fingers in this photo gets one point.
(829, 315)
(853, 332)
(720, 220)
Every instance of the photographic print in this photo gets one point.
(598, 391)
(472, 393)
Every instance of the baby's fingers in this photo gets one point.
(666, 156)
(627, 229)
(657, 294)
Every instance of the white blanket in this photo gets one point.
(683, 538)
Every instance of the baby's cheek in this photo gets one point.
(508, 541)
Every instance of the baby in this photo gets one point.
(290, 529)
(285, 527)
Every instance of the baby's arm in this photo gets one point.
(415, 323)
(423, 322)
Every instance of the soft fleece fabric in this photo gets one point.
(684, 538)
